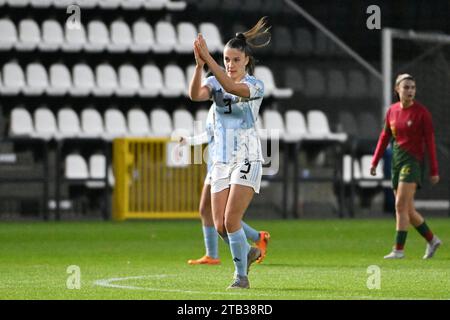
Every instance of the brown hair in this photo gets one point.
(246, 41)
(400, 78)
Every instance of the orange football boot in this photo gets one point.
(205, 260)
(261, 244)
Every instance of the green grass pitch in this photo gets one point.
(307, 259)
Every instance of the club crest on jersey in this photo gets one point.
(409, 123)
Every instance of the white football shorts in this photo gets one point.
(246, 174)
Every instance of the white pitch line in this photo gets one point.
(108, 284)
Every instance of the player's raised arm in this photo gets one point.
(197, 92)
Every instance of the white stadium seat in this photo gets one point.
(98, 36)
(319, 128)
(155, 4)
(183, 122)
(91, 124)
(8, 34)
(18, 3)
(347, 173)
(106, 80)
(186, 35)
(21, 123)
(13, 79)
(296, 128)
(152, 81)
(190, 73)
(143, 37)
(62, 3)
(129, 82)
(120, 37)
(86, 4)
(160, 123)
(68, 123)
(212, 36)
(115, 124)
(165, 37)
(60, 80)
(132, 4)
(29, 35)
(75, 39)
(45, 123)
(41, 3)
(174, 82)
(37, 79)
(175, 5)
(109, 4)
(97, 166)
(138, 123)
(76, 167)
(52, 36)
(83, 80)
(273, 123)
(264, 74)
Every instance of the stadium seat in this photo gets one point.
(201, 115)
(375, 88)
(138, 123)
(132, 4)
(212, 36)
(337, 84)
(13, 79)
(37, 79)
(87, 4)
(319, 128)
(68, 123)
(160, 123)
(76, 167)
(347, 169)
(129, 82)
(29, 35)
(264, 74)
(21, 123)
(63, 4)
(8, 34)
(282, 39)
(52, 36)
(106, 80)
(41, 3)
(152, 81)
(97, 170)
(183, 122)
(369, 127)
(187, 33)
(98, 36)
(45, 124)
(296, 128)
(303, 42)
(75, 39)
(294, 79)
(357, 84)
(315, 83)
(60, 81)
(115, 124)
(274, 124)
(109, 4)
(120, 37)
(174, 82)
(366, 164)
(143, 37)
(155, 4)
(165, 37)
(17, 3)
(175, 5)
(347, 123)
(91, 124)
(83, 80)
(321, 44)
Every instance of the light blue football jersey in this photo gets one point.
(234, 134)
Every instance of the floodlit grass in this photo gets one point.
(320, 259)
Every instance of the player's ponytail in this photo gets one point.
(256, 37)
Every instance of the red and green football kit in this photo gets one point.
(412, 132)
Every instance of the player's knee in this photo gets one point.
(231, 224)
(402, 207)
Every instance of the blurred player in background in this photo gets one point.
(410, 125)
(236, 157)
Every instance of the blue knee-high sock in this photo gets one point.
(211, 241)
(239, 250)
(250, 233)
